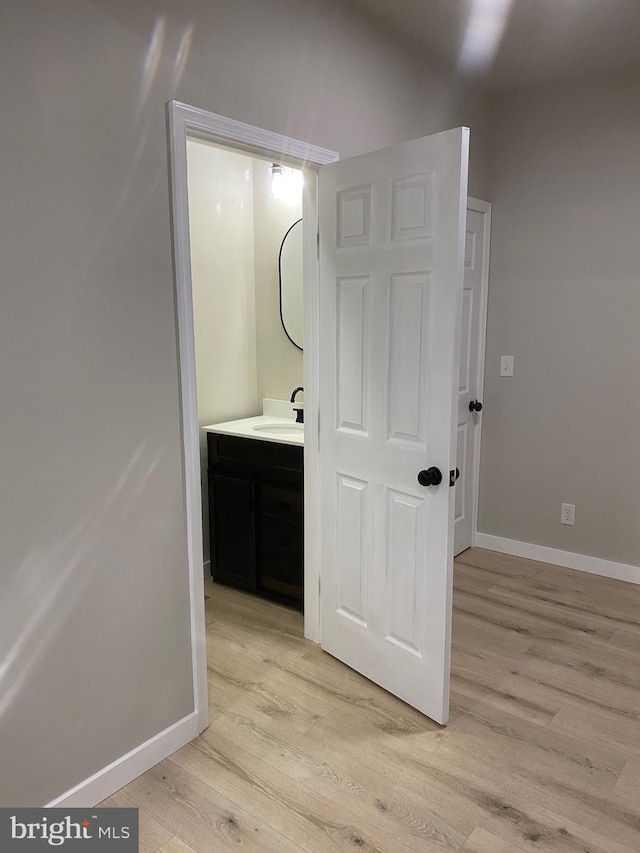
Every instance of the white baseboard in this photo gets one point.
(128, 767)
(567, 559)
(206, 567)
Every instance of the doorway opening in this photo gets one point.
(188, 122)
(246, 270)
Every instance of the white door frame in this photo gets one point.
(185, 120)
(483, 207)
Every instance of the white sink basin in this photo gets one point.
(274, 427)
(279, 429)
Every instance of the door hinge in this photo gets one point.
(453, 476)
(318, 245)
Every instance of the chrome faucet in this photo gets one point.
(299, 410)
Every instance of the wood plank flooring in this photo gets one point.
(542, 751)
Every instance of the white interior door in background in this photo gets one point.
(474, 321)
(390, 279)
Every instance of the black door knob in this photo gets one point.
(475, 406)
(430, 477)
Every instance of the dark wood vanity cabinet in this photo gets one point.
(256, 516)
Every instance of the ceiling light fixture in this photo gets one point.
(286, 184)
(276, 181)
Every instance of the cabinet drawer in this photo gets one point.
(229, 452)
(280, 540)
(284, 503)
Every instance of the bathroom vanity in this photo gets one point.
(255, 480)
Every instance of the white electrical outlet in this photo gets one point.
(506, 365)
(567, 514)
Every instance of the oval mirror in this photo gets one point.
(290, 267)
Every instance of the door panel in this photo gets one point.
(404, 590)
(352, 549)
(466, 343)
(408, 307)
(391, 271)
(352, 338)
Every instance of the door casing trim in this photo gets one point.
(483, 207)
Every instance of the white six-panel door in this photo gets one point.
(392, 229)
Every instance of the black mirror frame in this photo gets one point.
(280, 284)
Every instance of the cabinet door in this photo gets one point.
(285, 503)
(232, 530)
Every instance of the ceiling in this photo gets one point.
(541, 40)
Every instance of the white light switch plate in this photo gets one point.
(506, 365)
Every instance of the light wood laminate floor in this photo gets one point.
(542, 752)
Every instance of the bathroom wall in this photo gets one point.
(236, 229)
(221, 228)
(95, 646)
(280, 363)
(223, 286)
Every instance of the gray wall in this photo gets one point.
(94, 628)
(564, 299)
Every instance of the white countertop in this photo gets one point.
(246, 428)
